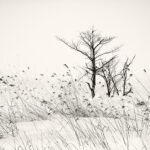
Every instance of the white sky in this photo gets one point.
(28, 29)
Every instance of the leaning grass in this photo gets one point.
(78, 123)
(88, 133)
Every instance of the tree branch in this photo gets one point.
(108, 52)
(75, 47)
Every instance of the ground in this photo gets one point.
(45, 115)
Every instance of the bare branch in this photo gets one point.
(74, 46)
(89, 68)
(98, 69)
(108, 52)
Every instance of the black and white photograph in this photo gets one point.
(74, 75)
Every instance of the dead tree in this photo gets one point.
(110, 77)
(125, 76)
(90, 45)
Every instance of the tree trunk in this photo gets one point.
(93, 74)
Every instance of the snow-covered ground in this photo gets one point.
(40, 114)
(61, 132)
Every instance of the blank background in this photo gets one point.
(28, 29)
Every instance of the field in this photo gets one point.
(56, 112)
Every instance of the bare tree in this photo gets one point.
(125, 76)
(90, 45)
(117, 81)
(111, 77)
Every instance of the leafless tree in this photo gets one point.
(90, 44)
(117, 80)
(110, 77)
(125, 76)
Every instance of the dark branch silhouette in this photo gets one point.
(90, 45)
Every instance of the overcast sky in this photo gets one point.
(28, 29)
